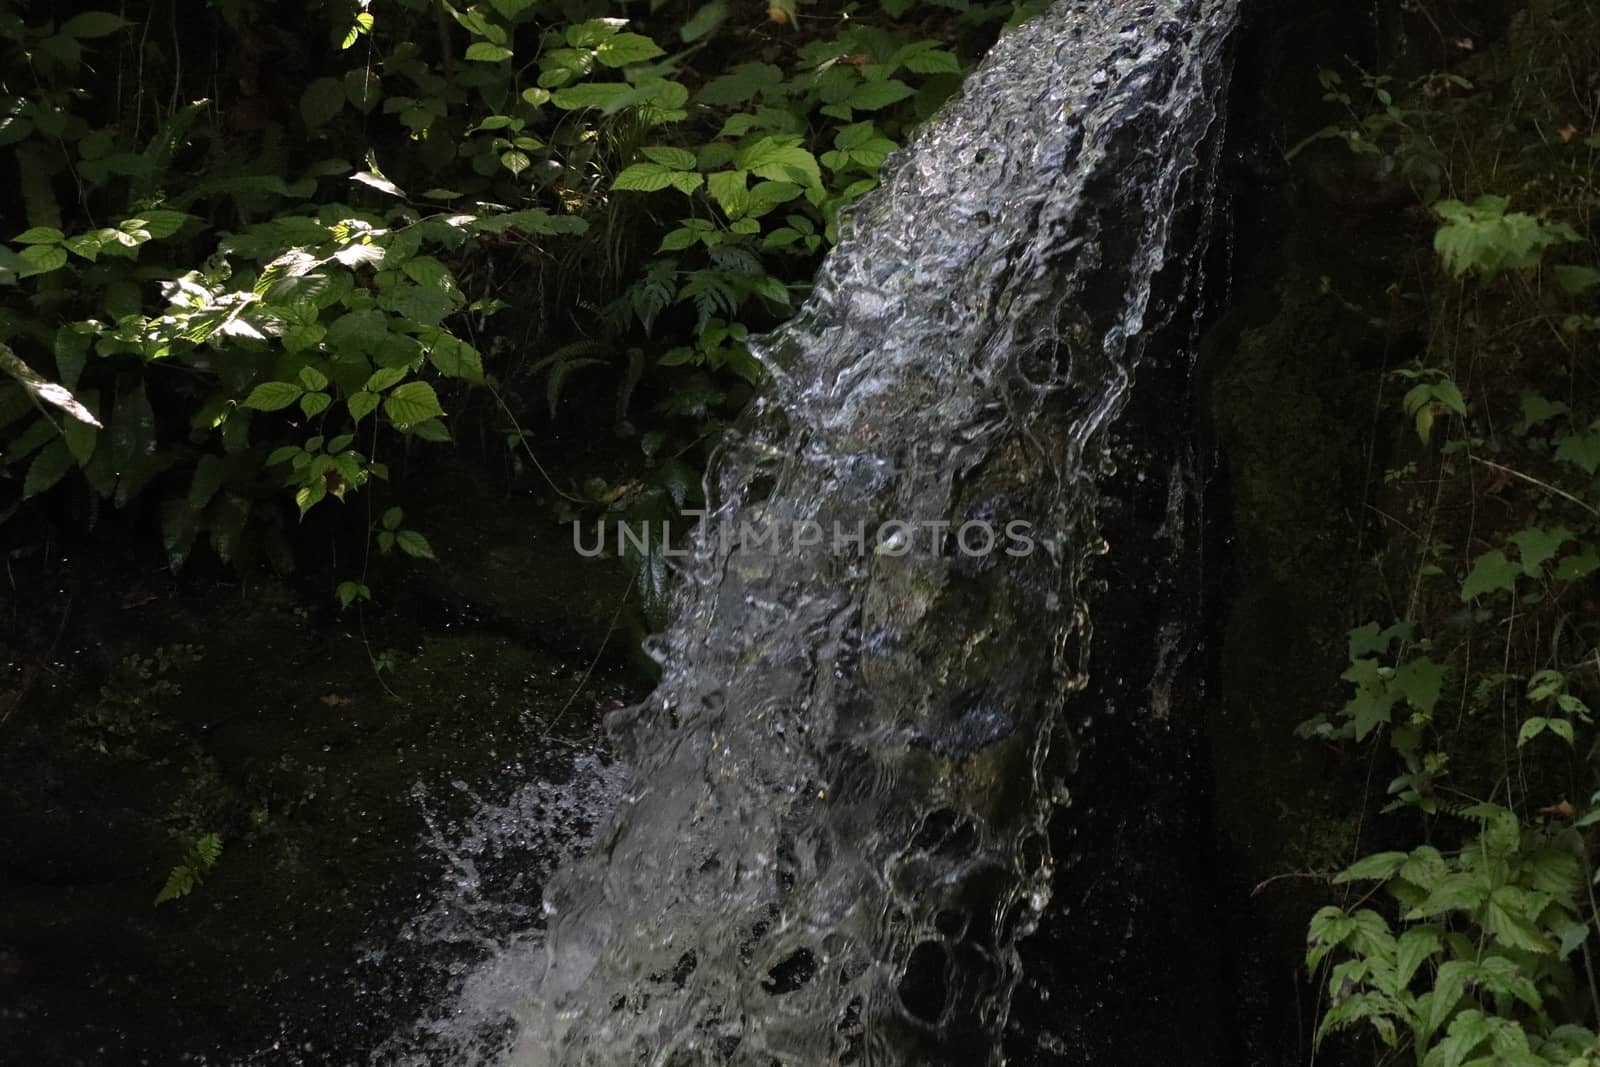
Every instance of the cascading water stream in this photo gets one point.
(835, 831)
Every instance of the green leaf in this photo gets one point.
(1506, 916)
(1380, 867)
(323, 99)
(1415, 948)
(156, 224)
(82, 437)
(273, 396)
(486, 52)
(93, 24)
(871, 96)
(312, 378)
(626, 48)
(591, 95)
(431, 430)
(412, 403)
(729, 189)
(47, 468)
(780, 160)
(675, 158)
(645, 178)
(315, 403)
(414, 544)
(1581, 450)
(382, 379)
(704, 21)
(361, 405)
(1536, 545)
(1574, 568)
(1532, 728)
(926, 57)
(1577, 280)
(1491, 572)
(1418, 683)
(40, 235)
(41, 259)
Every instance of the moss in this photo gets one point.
(1285, 432)
(281, 739)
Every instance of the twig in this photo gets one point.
(604, 642)
(1531, 480)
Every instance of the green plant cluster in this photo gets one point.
(232, 295)
(1473, 941)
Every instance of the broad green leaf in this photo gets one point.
(382, 379)
(926, 57)
(1380, 867)
(411, 403)
(1577, 280)
(82, 437)
(47, 468)
(1414, 948)
(1579, 566)
(1581, 450)
(645, 178)
(413, 544)
(273, 396)
(591, 95)
(675, 158)
(704, 21)
(40, 235)
(871, 96)
(41, 259)
(1535, 545)
(453, 357)
(322, 100)
(487, 52)
(430, 430)
(93, 24)
(1532, 728)
(1506, 916)
(362, 404)
(156, 224)
(729, 189)
(315, 403)
(626, 48)
(1418, 682)
(780, 160)
(1491, 572)
(594, 32)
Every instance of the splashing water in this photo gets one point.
(835, 829)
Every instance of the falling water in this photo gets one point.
(835, 828)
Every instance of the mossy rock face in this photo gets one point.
(503, 558)
(1290, 374)
(1285, 430)
(318, 775)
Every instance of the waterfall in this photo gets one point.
(835, 828)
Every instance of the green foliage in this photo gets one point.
(199, 858)
(1482, 238)
(221, 311)
(1472, 943)
(1482, 950)
(129, 715)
